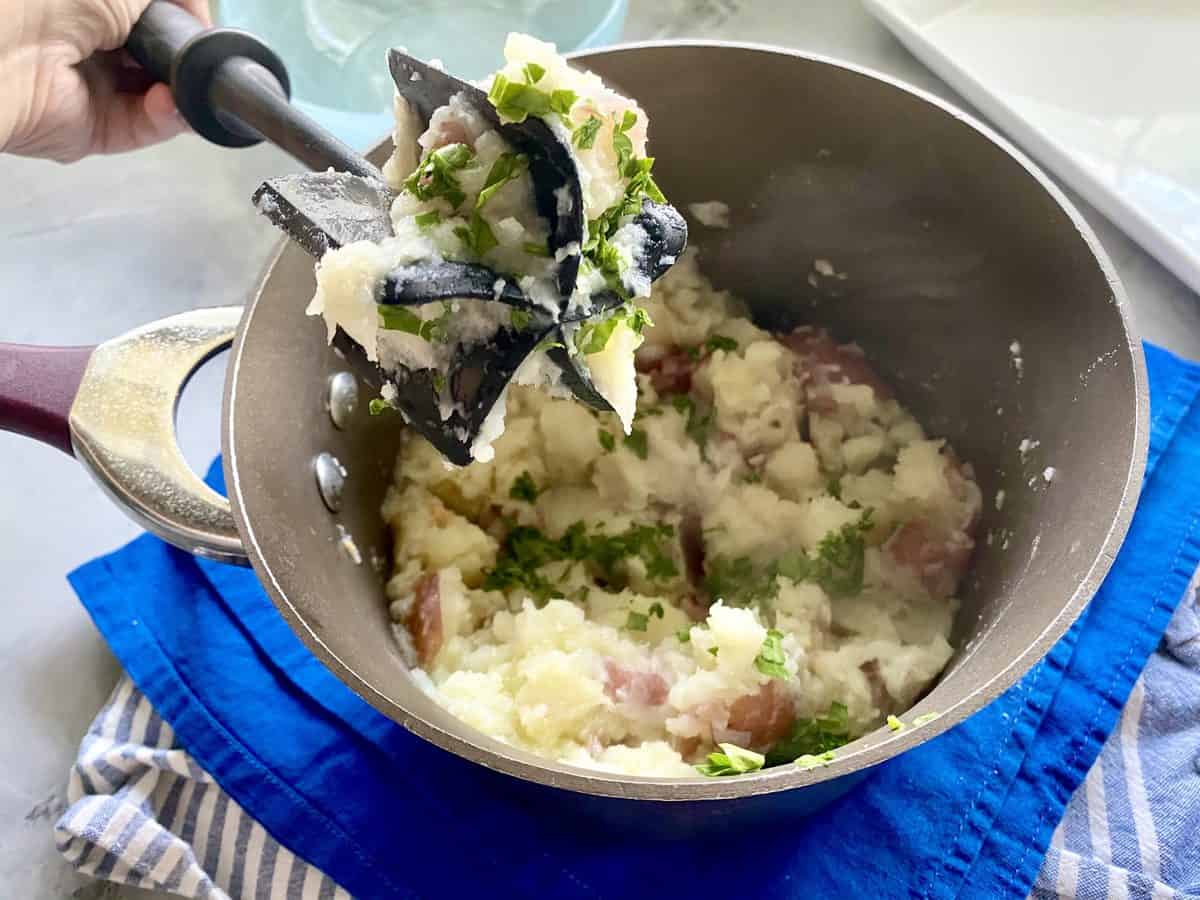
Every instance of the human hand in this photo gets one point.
(67, 90)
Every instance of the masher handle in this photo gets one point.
(233, 89)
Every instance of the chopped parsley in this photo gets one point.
(548, 343)
(434, 177)
(584, 137)
(427, 219)
(622, 145)
(592, 337)
(535, 249)
(506, 168)
(731, 760)
(520, 318)
(598, 253)
(834, 486)
(684, 634)
(523, 488)
(656, 609)
(516, 101)
(895, 724)
(738, 581)
(477, 235)
(812, 737)
(771, 659)
(720, 342)
(837, 566)
(636, 441)
(813, 760)
(607, 441)
(637, 621)
(714, 650)
(401, 318)
(378, 406)
(525, 550)
(698, 426)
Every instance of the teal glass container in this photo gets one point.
(335, 49)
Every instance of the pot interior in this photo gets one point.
(958, 261)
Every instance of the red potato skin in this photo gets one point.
(625, 685)
(669, 371)
(767, 715)
(822, 361)
(424, 619)
(449, 131)
(939, 559)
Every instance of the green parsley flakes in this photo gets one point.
(507, 167)
(434, 177)
(637, 442)
(549, 343)
(427, 220)
(378, 406)
(515, 101)
(592, 337)
(731, 760)
(720, 342)
(525, 550)
(534, 249)
(477, 235)
(520, 318)
(813, 737)
(523, 488)
(401, 318)
(621, 143)
(584, 137)
(771, 659)
(895, 724)
(684, 635)
(637, 621)
(813, 761)
(607, 441)
(838, 566)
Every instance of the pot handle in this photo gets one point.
(37, 386)
(122, 429)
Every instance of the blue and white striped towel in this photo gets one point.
(143, 813)
(1132, 829)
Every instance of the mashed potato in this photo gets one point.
(464, 194)
(769, 559)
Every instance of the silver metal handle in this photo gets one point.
(123, 430)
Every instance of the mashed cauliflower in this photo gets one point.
(768, 560)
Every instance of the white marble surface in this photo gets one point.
(90, 250)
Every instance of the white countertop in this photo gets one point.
(93, 249)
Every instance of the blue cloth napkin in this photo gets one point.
(386, 815)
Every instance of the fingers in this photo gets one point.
(127, 121)
(198, 8)
(139, 120)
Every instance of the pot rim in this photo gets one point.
(492, 754)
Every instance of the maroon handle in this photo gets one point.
(37, 387)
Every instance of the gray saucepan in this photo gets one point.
(968, 277)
